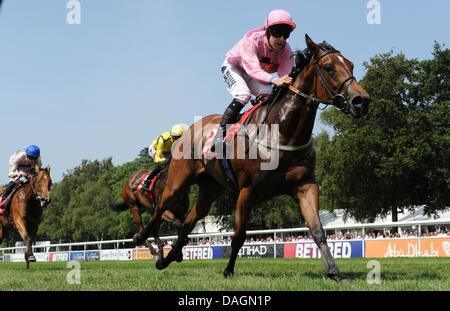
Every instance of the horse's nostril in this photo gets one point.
(358, 101)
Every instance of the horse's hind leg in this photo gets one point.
(209, 190)
(308, 197)
(136, 216)
(134, 209)
(243, 207)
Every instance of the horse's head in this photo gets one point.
(334, 80)
(41, 183)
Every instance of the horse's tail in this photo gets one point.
(118, 207)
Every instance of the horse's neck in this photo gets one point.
(25, 193)
(294, 115)
(28, 188)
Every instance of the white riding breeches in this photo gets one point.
(240, 85)
(151, 151)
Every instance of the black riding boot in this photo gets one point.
(158, 168)
(229, 117)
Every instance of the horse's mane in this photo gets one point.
(326, 46)
(300, 57)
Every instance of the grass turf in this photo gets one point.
(250, 275)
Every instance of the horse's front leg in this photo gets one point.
(308, 197)
(208, 192)
(27, 239)
(243, 207)
(159, 243)
(175, 222)
(3, 232)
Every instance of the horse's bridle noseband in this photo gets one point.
(42, 200)
(339, 100)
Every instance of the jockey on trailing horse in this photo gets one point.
(21, 164)
(160, 151)
(260, 60)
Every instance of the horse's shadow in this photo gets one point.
(296, 274)
(387, 276)
(351, 275)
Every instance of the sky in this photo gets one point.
(131, 69)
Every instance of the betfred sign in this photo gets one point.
(309, 249)
(201, 252)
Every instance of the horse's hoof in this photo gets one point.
(138, 239)
(153, 251)
(179, 257)
(31, 258)
(177, 224)
(227, 273)
(161, 264)
(338, 277)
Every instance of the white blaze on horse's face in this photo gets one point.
(43, 185)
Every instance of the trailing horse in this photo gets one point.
(26, 207)
(139, 201)
(328, 78)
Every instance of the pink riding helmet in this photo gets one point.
(279, 16)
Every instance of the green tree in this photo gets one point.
(79, 210)
(398, 156)
(279, 212)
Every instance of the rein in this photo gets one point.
(340, 101)
(36, 194)
(286, 147)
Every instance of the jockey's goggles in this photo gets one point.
(278, 31)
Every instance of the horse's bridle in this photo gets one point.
(42, 200)
(339, 100)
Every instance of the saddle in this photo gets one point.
(149, 194)
(5, 203)
(231, 133)
(233, 130)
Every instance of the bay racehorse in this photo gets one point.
(328, 79)
(26, 207)
(138, 202)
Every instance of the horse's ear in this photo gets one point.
(310, 43)
(48, 169)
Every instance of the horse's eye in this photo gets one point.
(329, 68)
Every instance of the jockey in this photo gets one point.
(160, 151)
(261, 59)
(21, 163)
